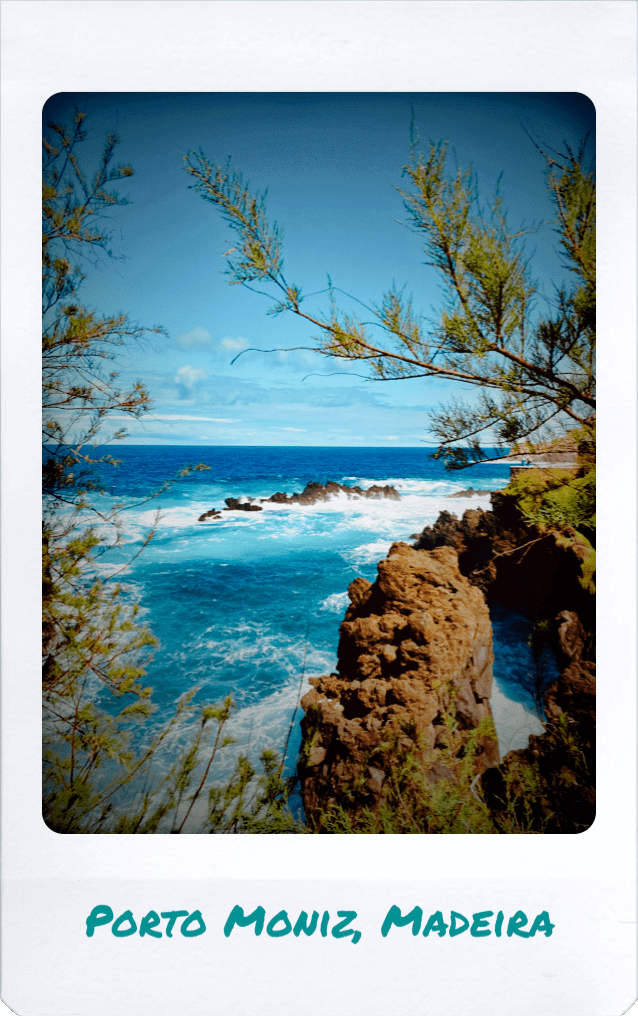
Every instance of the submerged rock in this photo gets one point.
(414, 645)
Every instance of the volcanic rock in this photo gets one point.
(563, 760)
(234, 505)
(470, 493)
(312, 493)
(315, 492)
(212, 514)
(537, 574)
(414, 645)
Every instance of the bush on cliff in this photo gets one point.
(547, 787)
(552, 498)
(563, 501)
(439, 792)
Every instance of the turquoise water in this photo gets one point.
(250, 604)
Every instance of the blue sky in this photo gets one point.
(331, 163)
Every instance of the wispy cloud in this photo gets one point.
(193, 419)
(237, 343)
(297, 430)
(186, 379)
(197, 338)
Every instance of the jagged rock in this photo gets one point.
(534, 573)
(470, 492)
(234, 505)
(413, 644)
(574, 693)
(314, 492)
(212, 514)
(573, 640)
(311, 494)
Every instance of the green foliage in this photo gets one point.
(587, 576)
(554, 498)
(95, 647)
(548, 787)
(133, 800)
(79, 387)
(529, 371)
(93, 644)
(426, 790)
(439, 791)
(563, 501)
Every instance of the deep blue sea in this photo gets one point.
(250, 603)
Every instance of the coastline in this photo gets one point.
(350, 735)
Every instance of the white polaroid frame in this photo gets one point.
(586, 882)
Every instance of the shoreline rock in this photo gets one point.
(313, 493)
(414, 645)
(423, 629)
(470, 492)
(540, 575)
(564, 763)
(537, 574)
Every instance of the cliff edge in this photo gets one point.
(408, 712)
(415, 652)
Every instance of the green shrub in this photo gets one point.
(554, 498)
(529, 798)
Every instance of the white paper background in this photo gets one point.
(586, 881)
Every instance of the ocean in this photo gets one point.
(249, 604)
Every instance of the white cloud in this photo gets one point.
(234, 343)
(197, 338)
(193, 419)
(186, 379)
(297, 430)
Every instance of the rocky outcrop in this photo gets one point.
(414, 646)
(544, 577)
(316, 492)
(313, 493)
(537, 574)
(234, 504)
(470, 492)
(212, 514)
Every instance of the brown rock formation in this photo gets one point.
(212, 514)
(315, 492)
(539, 575)
(312, 493)
(235, 505)
(413, 645)
(514, 563)
(417, 643)
(470, 492)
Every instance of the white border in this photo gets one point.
(254, 45)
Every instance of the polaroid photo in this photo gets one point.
(317, 497)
